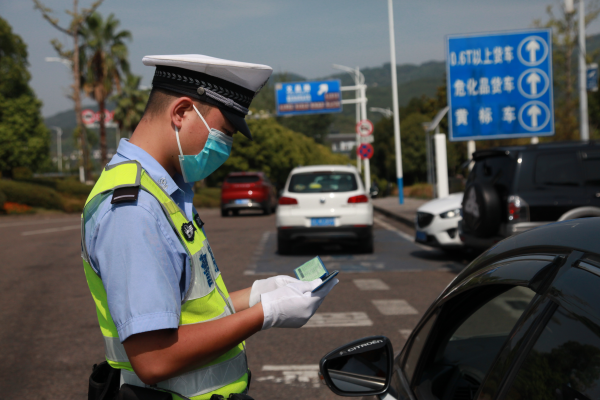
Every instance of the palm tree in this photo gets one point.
(131, 103)
(106, 64)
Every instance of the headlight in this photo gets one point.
(451, 213)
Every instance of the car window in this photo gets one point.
(564, 363)
(557, 169)
(317, 182)
(242, 179)
(591, 165)
(471, 334)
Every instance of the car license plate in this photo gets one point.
(421, 236)
(322, 222)
(242, 201)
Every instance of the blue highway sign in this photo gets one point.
(500, 85)
(300, 98)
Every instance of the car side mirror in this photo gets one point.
(360, 368)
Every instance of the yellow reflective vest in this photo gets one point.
(206, 299)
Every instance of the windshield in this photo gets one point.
(317, 182)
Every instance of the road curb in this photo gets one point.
(399, 218)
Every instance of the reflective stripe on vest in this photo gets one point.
(206, 300)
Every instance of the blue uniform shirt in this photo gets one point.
(144, 268)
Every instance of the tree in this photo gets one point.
(24, 139)
(131, 103)
(106, 64)
(564, 60)
(77, 19)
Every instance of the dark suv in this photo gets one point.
(513, 189)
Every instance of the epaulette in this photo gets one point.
(125, 194)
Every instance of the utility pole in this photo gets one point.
(58, 146)
(583, 101)
(399, 176)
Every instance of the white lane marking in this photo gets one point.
(260, 248)
(394, 307)
(371, 284)
(295, 375)
(51, 230)
(340, 319)
(38, 222)
(400, 233)
(405, 333)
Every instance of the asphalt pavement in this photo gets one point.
(49, 335)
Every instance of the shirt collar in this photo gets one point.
(156, 171)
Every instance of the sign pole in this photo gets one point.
(395, 104)
(470, 151)
(441, 165)
(363, 108)
(358, 118)
(583, 101)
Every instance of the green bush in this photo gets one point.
(69, 186)
(207, 198)
(31, 195)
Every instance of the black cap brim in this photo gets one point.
(238, 122)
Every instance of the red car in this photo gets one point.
(247, 190)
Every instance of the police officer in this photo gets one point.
(167, 319)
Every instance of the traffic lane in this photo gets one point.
(49, 335)
(284, 361)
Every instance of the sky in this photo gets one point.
(305, 37)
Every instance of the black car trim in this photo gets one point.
(589, 266)
(543, 279)
(524, 349)
(405, 383)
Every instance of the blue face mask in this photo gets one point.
(215, 153)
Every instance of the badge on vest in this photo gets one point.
(188, 230)
(199, 222)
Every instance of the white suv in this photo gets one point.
(324, 203)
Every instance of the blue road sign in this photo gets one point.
(592, 77)
(300, 98)
(500, 85)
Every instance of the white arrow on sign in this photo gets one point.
(534, 111)
(532, 47)
(533, 79)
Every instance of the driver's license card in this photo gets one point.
(311, 270)
(314, 269)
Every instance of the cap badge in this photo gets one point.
(188, 230)
(200, 90)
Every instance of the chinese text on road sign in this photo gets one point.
(500, 85)
(364, 127)
(298, 98)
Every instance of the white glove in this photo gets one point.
(292, 306)
(267, 285)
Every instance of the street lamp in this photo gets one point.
(386, 112)
(59, 146)
(399, 176)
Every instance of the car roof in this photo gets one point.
(329, 168)
(555, 238)
(513, 150)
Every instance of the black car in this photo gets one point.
(513, 189)
(522, 321)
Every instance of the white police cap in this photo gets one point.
(229, 85)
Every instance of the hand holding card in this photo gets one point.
(314, 269)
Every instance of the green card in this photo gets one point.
(311, 270)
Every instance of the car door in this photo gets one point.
(561, 357)
(552, 184)
(453, 348)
